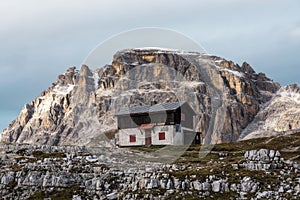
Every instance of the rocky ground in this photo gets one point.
(253, 169)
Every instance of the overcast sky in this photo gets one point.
(40, 39)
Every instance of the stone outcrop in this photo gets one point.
(76, 172)
(78, 109)
(262, 159)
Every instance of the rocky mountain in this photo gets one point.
(78, 109)
(281, 115)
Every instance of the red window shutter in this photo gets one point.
(132, 138)
(161, 135)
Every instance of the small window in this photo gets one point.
(132, 138)
(161, 135)
(182, 117)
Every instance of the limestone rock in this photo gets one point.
(216, 186)
(78, 109)
(280, 115)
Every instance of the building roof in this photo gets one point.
(168, 106)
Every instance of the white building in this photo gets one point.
(159, 124)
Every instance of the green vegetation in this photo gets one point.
(16, 167)
(141, 193)
(62, 193)
(42, 155)
(11, 185)
(151, 148)
(288, 145)
(21, 152)
(276, 143)
(218, 162)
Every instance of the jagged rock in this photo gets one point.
(281, 190)
(112, 196)
(184, 185)
(21, 178)
(247, 185)
(216, 186)
(297, 188)
(78, 108)
(263, 155)
(163, 184)
(272, 154)
(197, 185)
(262, 159)
(7, 178)
(169, 184)
(280, 115)
(233, 187)
(76, 197)
(177, 183)
(4, 157)
(206, 186)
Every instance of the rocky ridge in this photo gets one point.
(79, 172)
(281, 115)
(78, 109)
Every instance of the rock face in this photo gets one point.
(280, 115)
(78, 109)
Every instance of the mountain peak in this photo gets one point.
(78, 109)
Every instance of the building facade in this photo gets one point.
(159, 124)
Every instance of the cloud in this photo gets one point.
(295, 34)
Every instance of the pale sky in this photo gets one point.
(41, 39)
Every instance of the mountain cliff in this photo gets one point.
(78, 109)
(281, 115)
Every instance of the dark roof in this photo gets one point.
(169, 106)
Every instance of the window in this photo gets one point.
(182, 117)
(132, 138)
(161, 135)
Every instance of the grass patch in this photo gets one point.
(194, 157)
(141, 193)
(26, 159)
(239, 146)
(151, 148)
(276, 143)
(42, 155)
(11, 185)
(182, 196)
(62, 193)
(16, 167)
(21, 152)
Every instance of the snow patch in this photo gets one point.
(191, 83)
(218, 61)
(96, 79)
(63, 90)
(156, 48)
(289, 95)
(236, 73)
(164, 50)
